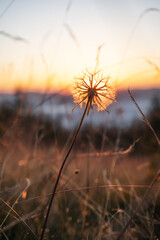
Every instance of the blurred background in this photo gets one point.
(43, 46)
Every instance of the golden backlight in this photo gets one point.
(44, 52)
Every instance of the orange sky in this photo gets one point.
(45, 44)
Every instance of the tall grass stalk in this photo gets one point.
(118, 186)
(155, 178)
(140, 205)
(144, 117)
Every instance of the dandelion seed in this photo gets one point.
(95, 89)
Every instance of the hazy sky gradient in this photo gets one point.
(59, 38)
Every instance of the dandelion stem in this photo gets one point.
(60, 171)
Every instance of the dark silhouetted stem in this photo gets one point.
(144, 117)
(60, 171)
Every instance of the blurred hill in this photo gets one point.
(56, 105)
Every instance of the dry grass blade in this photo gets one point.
(110, 153)
(70, 31)
(148, 10)
(153, 64)
(6, 9)
(28, 216)
(97, 57)
(12, 210)
(136, 25)
(15, 38)
(4, 234)
(155, 178)
(69, 6)
(144, 117)
(131, 36)
(85, 188)
(140, 205)
(6, 158)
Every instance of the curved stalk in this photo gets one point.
(139, 206)
(60, 171)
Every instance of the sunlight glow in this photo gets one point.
(44, 50)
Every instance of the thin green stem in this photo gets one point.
(60, 171)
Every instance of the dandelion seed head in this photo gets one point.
(95, 89)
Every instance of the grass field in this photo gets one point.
(92, 173)
(102, 183)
